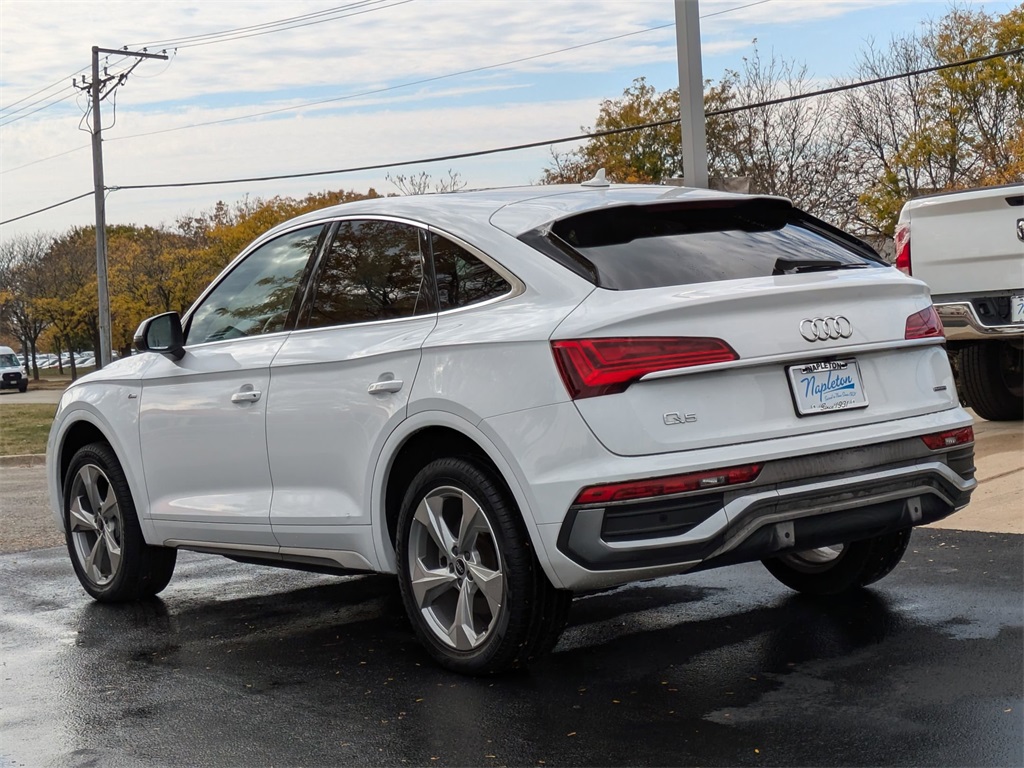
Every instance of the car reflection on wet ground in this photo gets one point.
(242, 665)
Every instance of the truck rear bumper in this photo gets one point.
(962, 323)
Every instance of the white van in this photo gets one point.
(12, 374)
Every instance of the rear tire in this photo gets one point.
(470, 582)
(842, 568)
(992, 376)
(108, 552)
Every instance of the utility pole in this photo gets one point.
(96, 89)
(691, 94)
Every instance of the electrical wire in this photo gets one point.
(374, 92)
(174, 41)
(533, 144)
(293, 26)
(424, 81)
(377, 91)
(42, 90)
(48, 208)
(40, 109)
(576, 137)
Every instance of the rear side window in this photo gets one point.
(635, 247)
(462, 279)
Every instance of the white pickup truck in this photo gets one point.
(969, 248)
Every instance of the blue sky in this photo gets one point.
(389, 42)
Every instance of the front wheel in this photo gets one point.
(840, 568)
(109, 554)
(470, 581)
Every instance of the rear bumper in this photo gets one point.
(866, 492)
(961, 322)
(553, 455)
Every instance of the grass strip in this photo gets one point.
(24, 427)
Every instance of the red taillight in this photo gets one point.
(950, 438)
(667, 486)
(923, 324)
(592, 367)
(902, 238)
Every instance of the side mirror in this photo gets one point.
(163, 334)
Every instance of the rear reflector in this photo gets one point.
(902, 238)
(667, 486)
(950, 438)
(592, 367)
(923, 324)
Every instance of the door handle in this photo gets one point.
(249, 396)
(380, 387)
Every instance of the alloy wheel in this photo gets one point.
(96, 524)
(455, 568)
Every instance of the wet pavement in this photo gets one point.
(242, 665)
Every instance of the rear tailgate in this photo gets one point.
(765, 320)
(967, 242)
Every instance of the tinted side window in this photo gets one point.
(463, 279)
(257, 295)
(373, 270)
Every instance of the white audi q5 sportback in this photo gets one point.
(507, 396)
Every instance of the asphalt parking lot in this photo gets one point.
(240, 665)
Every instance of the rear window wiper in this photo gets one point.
(784, 265)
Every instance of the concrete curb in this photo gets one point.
(25, 460)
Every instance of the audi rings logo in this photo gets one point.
(825, 328)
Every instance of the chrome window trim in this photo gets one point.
(518, 286)
(303, 331)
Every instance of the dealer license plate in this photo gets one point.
(833, 385)
(1017, 309)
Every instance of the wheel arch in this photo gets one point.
(420, 439)
(80, 426)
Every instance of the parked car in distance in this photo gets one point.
(507, 396)
(12, 373)
(969, 248)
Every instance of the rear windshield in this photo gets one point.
(634, 247)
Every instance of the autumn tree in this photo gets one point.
(20, 257)
(954, 129)
(67, 290)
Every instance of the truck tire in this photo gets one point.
(992, 377)
(842, 568)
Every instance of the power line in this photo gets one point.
(174, 41)
(424, 81)
(364, 93)
(42, 90)
(874, 81)
(737, 8)
(292, 26)
(90, 193)
(576, 137)
(40, 109)
(535, 144)
(10, 118)
(410, 84)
